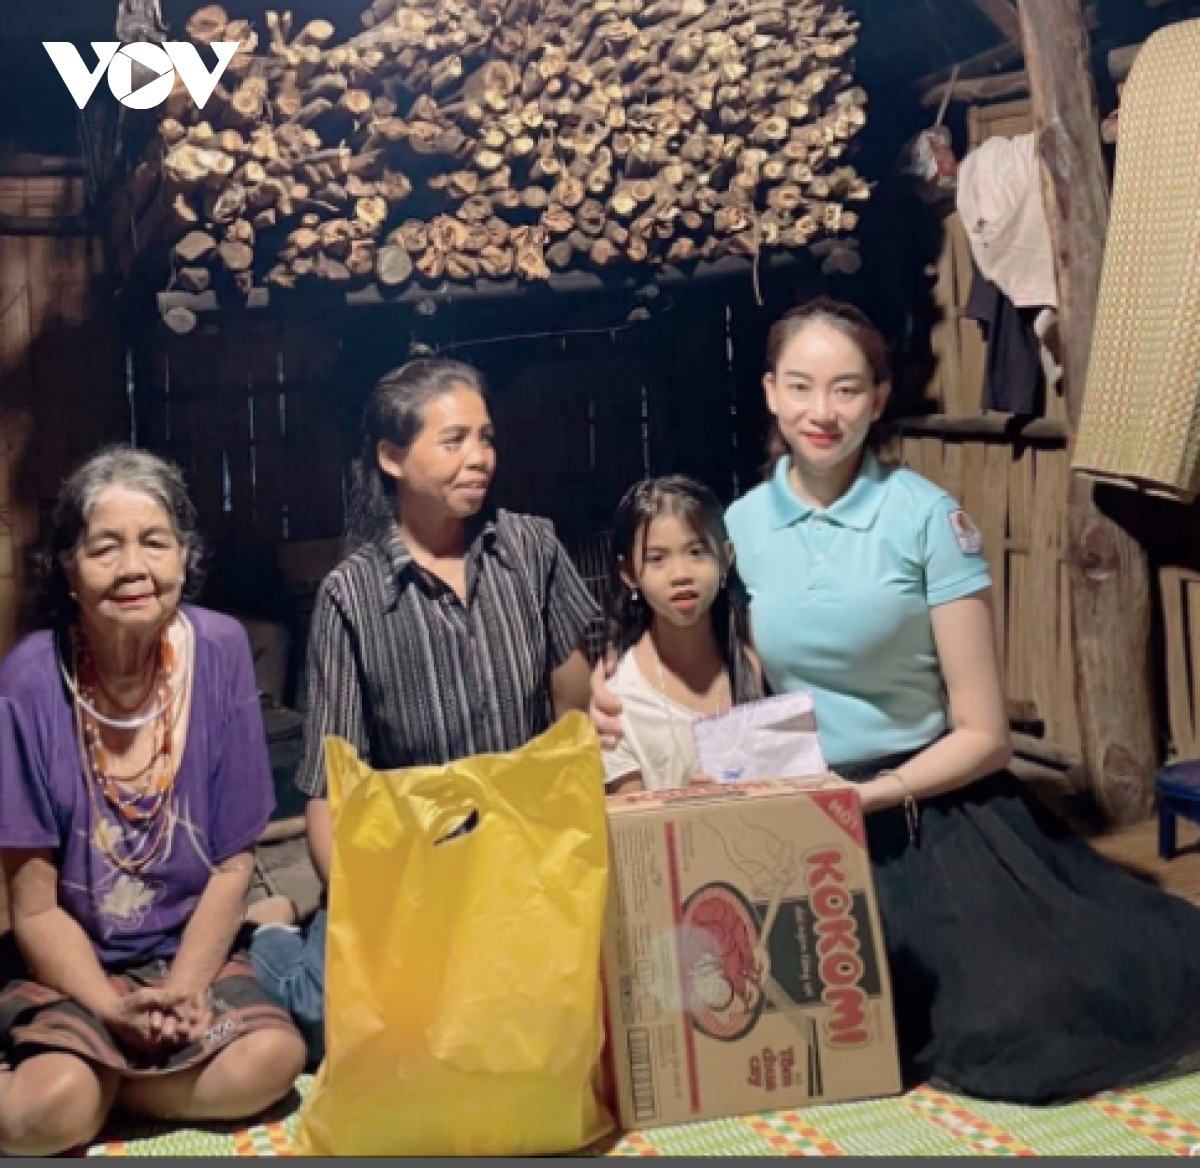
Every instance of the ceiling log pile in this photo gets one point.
(454, 140)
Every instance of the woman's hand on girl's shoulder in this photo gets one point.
(605, 707)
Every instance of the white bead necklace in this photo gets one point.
(134, 723)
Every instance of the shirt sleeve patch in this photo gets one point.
(968, 537)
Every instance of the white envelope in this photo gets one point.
(772, 739)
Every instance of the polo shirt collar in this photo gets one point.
(487, 532)
(857, 509)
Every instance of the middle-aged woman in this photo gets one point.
(1025, 967)
(134, 782)
(452, 629)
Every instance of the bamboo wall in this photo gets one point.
(252, 417)
(62, 388)
(263, 416)
(62, 381)
(1181, 638)
(16, 523)
(1017, 493)
(1017, 497)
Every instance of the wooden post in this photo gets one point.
(1108, 569)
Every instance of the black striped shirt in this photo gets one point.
(411, 676)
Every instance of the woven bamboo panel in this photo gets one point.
(1140, 424)
(1017, 496)
(1180, 589)
(15, 522)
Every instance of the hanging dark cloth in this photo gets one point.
(1014, 381)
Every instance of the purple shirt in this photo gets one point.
(223, 798)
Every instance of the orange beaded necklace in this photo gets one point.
(142, 801)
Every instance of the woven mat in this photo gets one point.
(1141, 413)
(1163, 1120)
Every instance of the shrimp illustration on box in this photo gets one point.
(792, 955)
(718, 949)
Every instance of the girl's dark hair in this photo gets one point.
(114, 466)
(629, 619)
(851, 322)
(396, 412)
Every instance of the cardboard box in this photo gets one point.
(744, 963)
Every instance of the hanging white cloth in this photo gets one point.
(1000, 202)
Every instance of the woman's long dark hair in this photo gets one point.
(396, 411)
(628, 619)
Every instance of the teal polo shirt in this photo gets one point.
(841, 600)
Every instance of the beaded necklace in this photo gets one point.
(144, 803)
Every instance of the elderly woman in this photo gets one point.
(134, 782)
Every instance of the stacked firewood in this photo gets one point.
(458, 139)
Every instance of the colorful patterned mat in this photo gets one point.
(1162, 1120)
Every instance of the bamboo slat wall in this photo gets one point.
(959, 352)
(16, 523)
(1180, 589)
(62, 380)
(253, 421)
(263, 416)
(1021, 509)
(1016, 494)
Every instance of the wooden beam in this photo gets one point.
(40, 166)
(1001, 57)
(565, 283)
(1012, 429)
(57, 226)
(1003, 15)
(1107, 567)
(1042, 750)
(990, 60)
(978, 88)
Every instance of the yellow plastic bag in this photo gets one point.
(462, 994)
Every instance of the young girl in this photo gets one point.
(679, 619)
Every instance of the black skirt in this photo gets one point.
(1025, 967)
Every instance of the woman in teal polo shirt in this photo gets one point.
(1024, 966)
